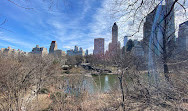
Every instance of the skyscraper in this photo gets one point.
(87, 53)
(114, 46)
(98, 46)
(163, 32)
(147, 31)
(170, 26)
(125, 40)
(182, 41)
(53, 47)
(75, 48)
(39, 50)
(115, 33)
(75, 52)
(53, 50)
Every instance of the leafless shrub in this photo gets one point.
(23, 77)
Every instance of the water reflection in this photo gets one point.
(96, 83)
(103, 83)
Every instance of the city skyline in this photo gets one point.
(41, 25)
(93, 55)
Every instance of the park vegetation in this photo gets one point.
(36, 83)
(40, 83)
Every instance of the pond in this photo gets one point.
(96, 83)
(104, 83)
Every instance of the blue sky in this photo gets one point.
(74, 22)
(69, 22)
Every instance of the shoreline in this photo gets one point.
(89, 74)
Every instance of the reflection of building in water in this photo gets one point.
(76, 52)
(106, 78)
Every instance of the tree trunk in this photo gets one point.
(122, 91)
(165, 66)
(166, 71)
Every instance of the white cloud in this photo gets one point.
(14, 41)
(49, 25)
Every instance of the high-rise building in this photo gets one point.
(12, 52)
(115, 33)
(147, 31)
(137, 50)
(39, 50)
(7, 51)
(170, 26)
(182, 41)
(76, 48)
(53, 50)
(53, 47)
(125, 40)
(157, 28)
(114, 46)
(76, 52)
(87, 53)
(98, 46)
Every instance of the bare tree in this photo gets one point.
(138, 10)
(23, 77)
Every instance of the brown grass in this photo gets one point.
(40, 103)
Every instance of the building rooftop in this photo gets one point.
(53, 41)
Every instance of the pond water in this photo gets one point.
(103, 83)
(92, 84)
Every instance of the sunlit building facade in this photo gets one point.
(39, 50)
(53, 50)
(98, 46)
(114, 46)
(76, 52)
